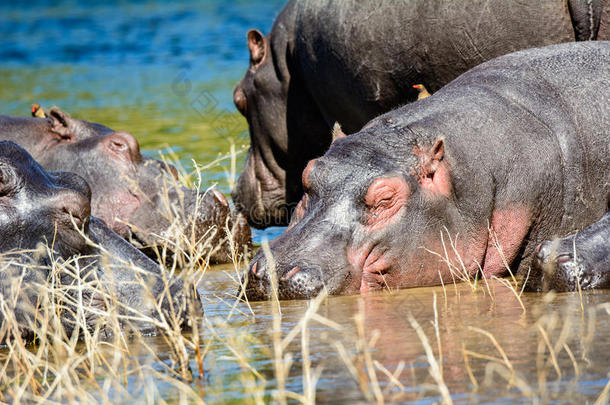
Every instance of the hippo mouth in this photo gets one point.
(260, 194)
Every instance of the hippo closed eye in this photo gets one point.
(461, 184)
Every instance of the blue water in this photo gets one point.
(177, 61)
(131, 52)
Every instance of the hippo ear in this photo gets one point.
(123, 146)
(257, 44)
(61, 124)
(337, 132)
(433, 172)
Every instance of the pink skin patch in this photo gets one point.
(357, 257)
(306, 172)
(291, 273)
(509, 226)
(117, 212)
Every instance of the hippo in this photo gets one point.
(137, 197)
(462, 184)
(577, 261)
(350, 61)
(54, 208)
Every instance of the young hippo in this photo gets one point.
(53, 208)
(463, 183)
(139, 198)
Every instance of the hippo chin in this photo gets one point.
(463, 183)
(139, 198)
(349, 61)
(580, 260)
(90, 262)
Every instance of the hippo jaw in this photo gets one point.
(260, 192)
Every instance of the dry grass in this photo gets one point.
(101, 362)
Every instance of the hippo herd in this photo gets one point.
(378, 189)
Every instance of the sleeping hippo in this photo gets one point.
(53, 208)
(139, 198)
(465, 183)
(352, 60)
(580, 260)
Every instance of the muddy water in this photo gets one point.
(492, 346)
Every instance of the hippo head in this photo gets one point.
(38, 206)
(139, 198)
(378, 211)
(284, 123)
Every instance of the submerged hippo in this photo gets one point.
(54, 208)
(349, 61)
(511, 153)
(580, 260)
(139, 198)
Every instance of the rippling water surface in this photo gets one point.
(165, 71)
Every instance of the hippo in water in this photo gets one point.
(464, 183)
(137, 197)
(350, 61)
(53, 208)
(580, 260)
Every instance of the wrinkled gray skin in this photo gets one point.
(518, 144)
(581, 259)
(350, 61)
(37, 207)
(128, 190)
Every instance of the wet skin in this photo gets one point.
(350, 61)
(477, 175)
(54, 208)
(139, 198)
(580, 260)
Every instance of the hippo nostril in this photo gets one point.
(544, 251)
(564, 258)
(291, 273)
(254, 270)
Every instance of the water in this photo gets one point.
(165, 72)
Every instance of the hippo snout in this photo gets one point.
(555, 267)
(294, 281)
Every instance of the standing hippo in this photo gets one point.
(581, 260)
(349, 61)
(139, 198)
(54, 208)
(511, 153)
